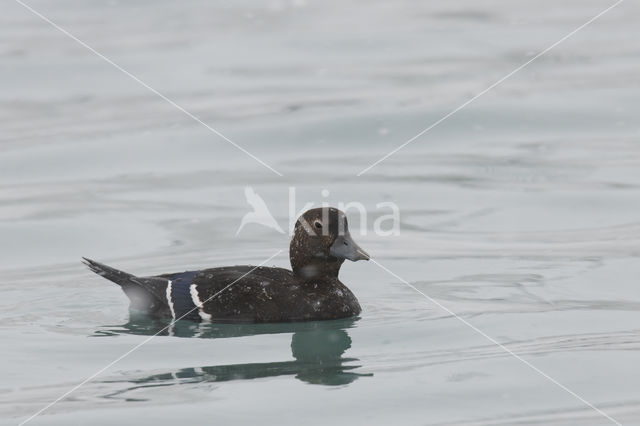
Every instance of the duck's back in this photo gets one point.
(235, 294)
(263, 294)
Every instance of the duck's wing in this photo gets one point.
(192, 294)
(241, 293)
(215, 280)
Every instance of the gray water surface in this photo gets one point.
(520, 213)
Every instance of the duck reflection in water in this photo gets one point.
(318, 349)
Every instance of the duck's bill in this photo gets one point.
(345, 248)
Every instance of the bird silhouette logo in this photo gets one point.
(260, 214)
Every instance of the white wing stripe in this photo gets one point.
(196, 301)
(169, 287)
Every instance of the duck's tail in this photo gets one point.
(146, 294)
(112, 274)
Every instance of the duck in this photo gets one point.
(310, 291)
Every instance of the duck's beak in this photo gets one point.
(345, 248)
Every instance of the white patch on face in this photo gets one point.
(196, 301)
(173, 312)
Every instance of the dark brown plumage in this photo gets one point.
(310, 291)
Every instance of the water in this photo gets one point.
(519, 213)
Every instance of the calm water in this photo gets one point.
(521, 213)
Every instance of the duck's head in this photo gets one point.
(321, 242)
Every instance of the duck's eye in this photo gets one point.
(317, 224)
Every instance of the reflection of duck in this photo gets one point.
(317, 348)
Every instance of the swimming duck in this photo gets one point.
(310, 291)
